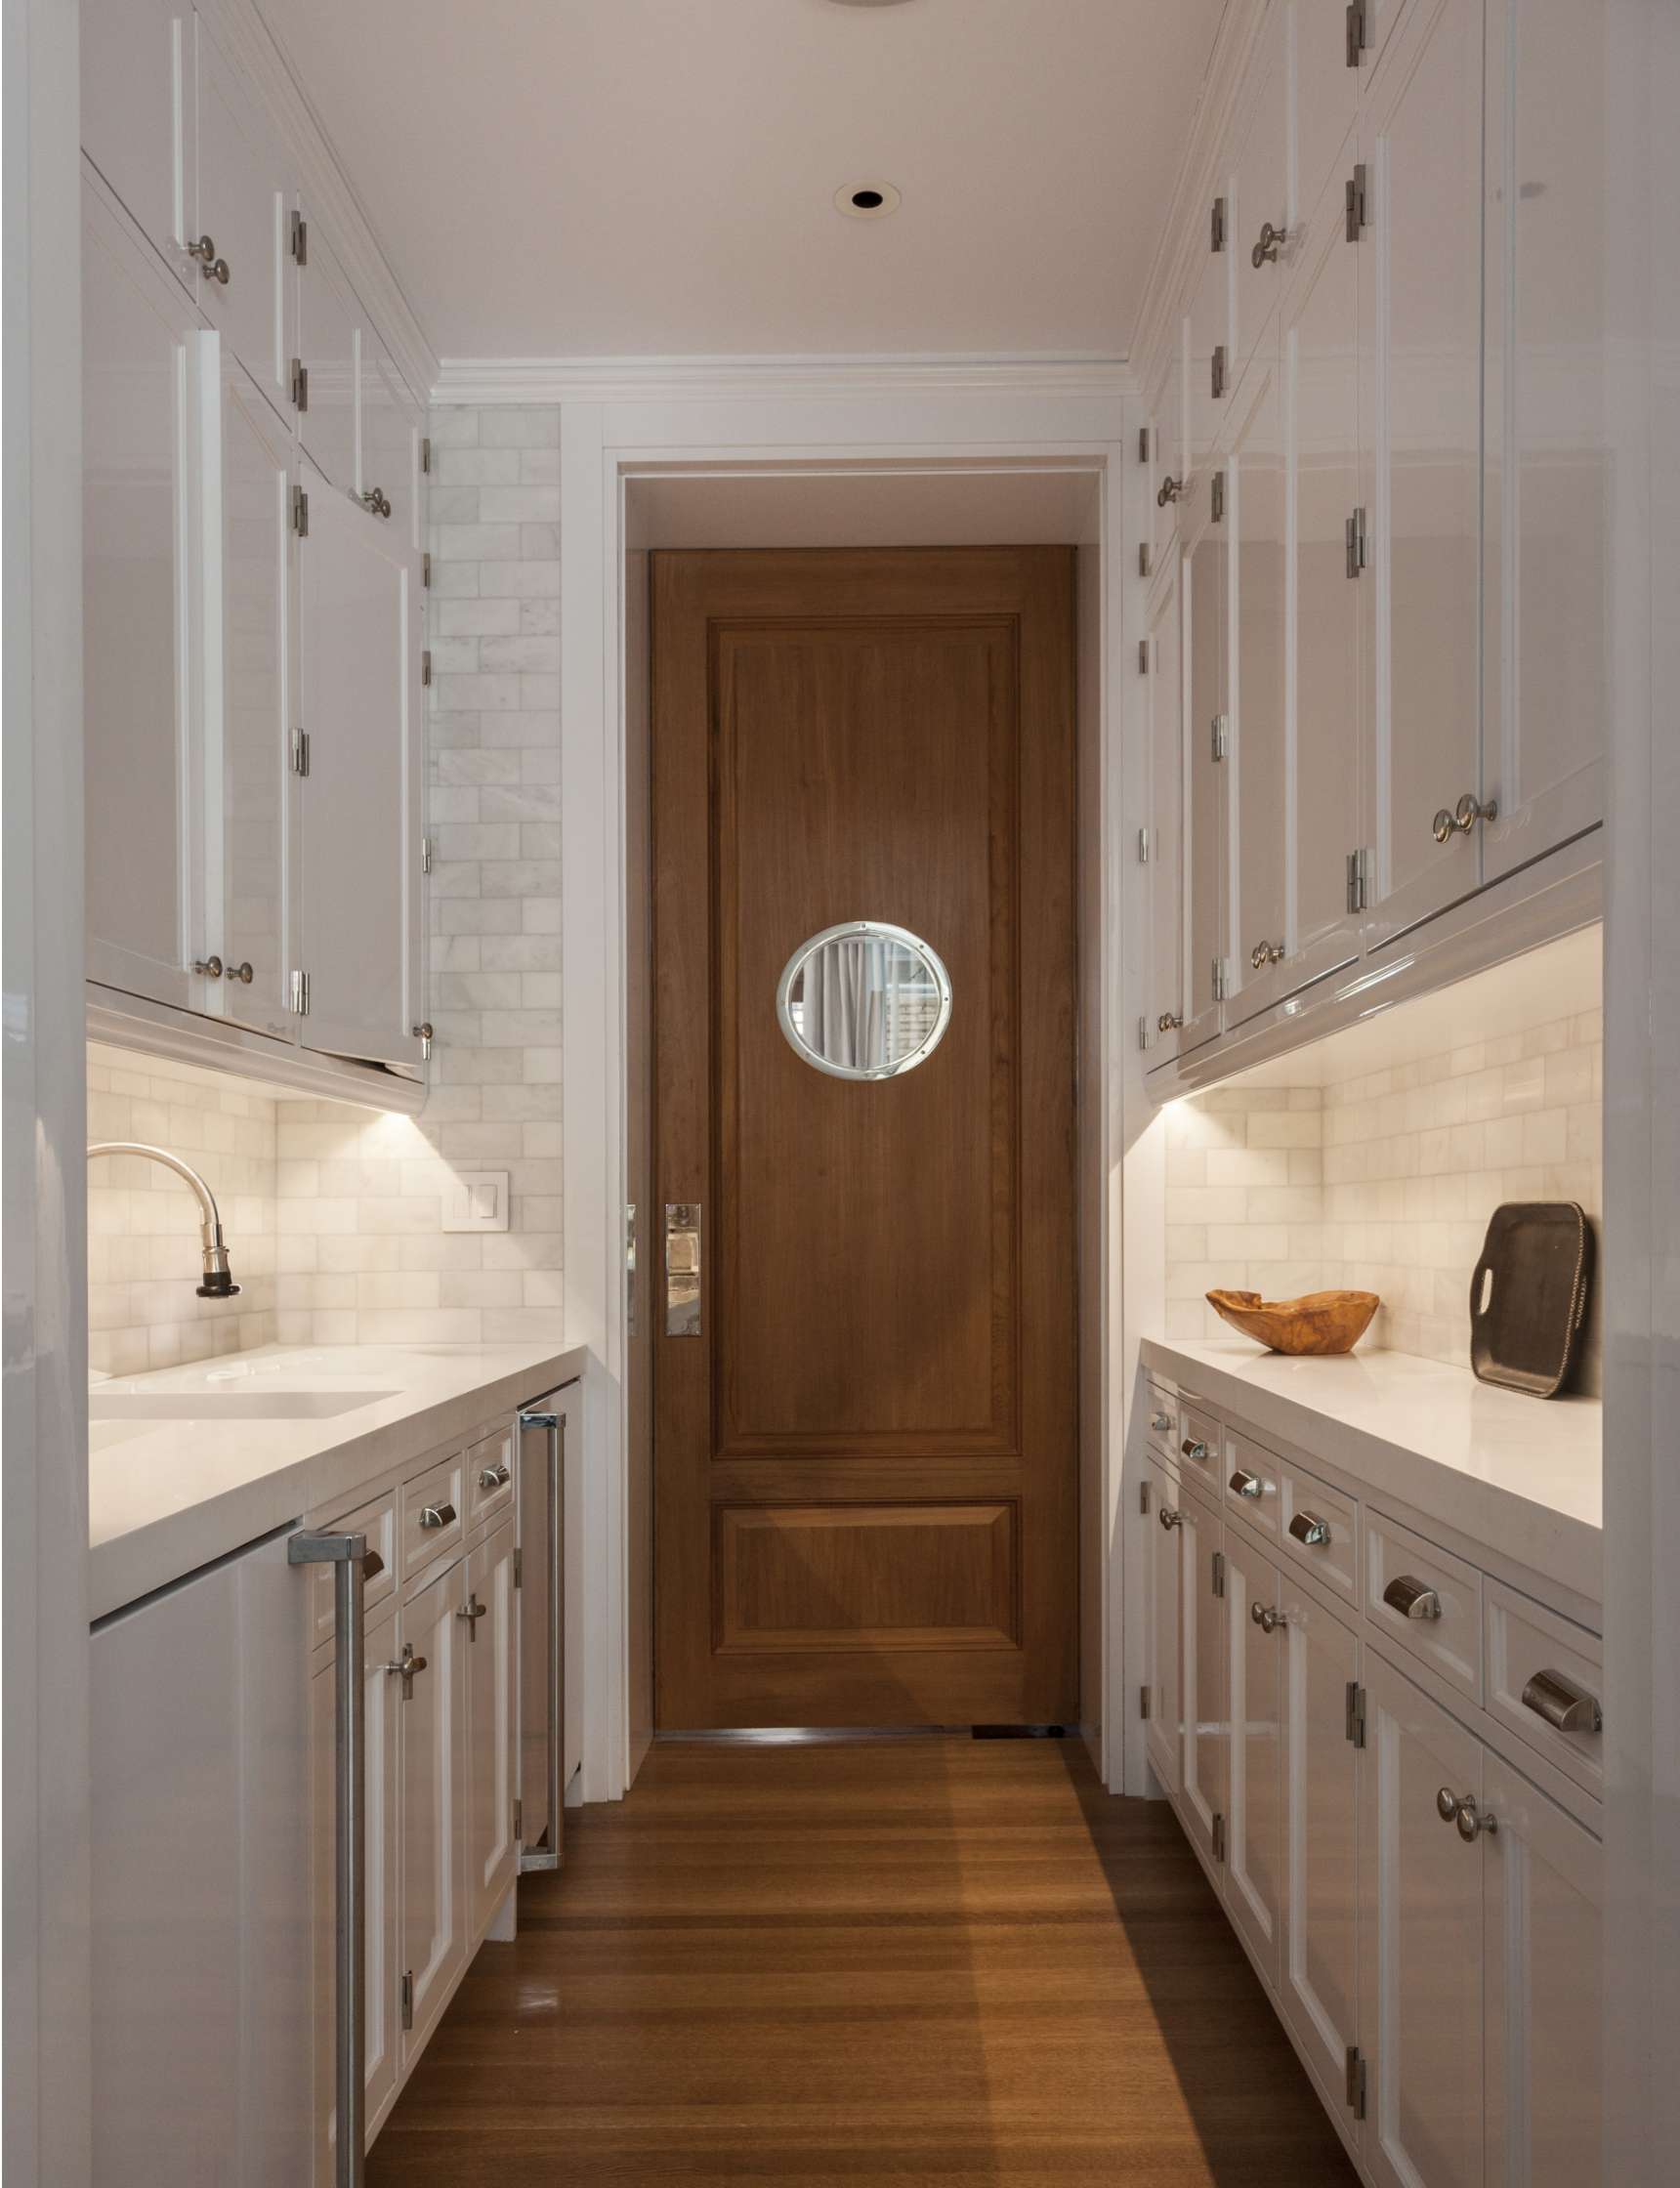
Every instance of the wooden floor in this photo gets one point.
(940, 1959)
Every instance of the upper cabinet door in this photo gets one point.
(1551, 674)
(1168, 456)
(1210, 358)
(329, 339)
(1165, 657)
(1207, 726)
(1327, 746)
(1261, 967)
(246, 192)
(1325, 84)
(360, 897)
(137, 109)
(248, 688)
(1420, 225)
(389, 479)
(1262, 219)
(141, 348)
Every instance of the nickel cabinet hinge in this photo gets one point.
(1355, 1725)
(1144, 563)
(299, 239)
(1219, 1838)
(1354, 541)
(519, 1565)
(1219, 1572)
(1216, 497)
(1143, 1033)
(426, 569)
(426, 666)
(1356, 2070)
(1218, 370)
(300, 384)
(1358, 32)
(1142, 444)
(1357, 202)
(1219, 730)
(1359, 881)
(300, 512)
(1143, 847)
(1221, 978)
(300, 995)
(1216, 227)
(407, 1998)
(426, 455)
(1144, 1702)
(425, 854)
(1143, 656)
(519, 1821)
(1144, 1499)
(300, 751)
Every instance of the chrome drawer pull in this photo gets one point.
(1244, 1484)
(1563, 1706)
(1267, 1620)
(1308, 1528)
(1162, 1423)
(1169, 1519)
(1194, 1447)
(437, 1515)
(1412, 1599)
(372, 1565)
(493, 1477)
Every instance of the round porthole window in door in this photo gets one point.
(864, 1000)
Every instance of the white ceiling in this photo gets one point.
(618, 178)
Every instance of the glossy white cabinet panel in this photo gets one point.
(1543, 1927)
(1162, 1620)
(1530, 1650)
(1206, 836)
(1210, 359)
(1202, 1662)
(1323, 96)
(1421, 1942)
(1260, 194)
(1420, 310)
(330, 332)
(248, 690)
(1168, 455)
(1259, 756)
(390, 442)
(137, 111)
(1427, 1601)
(1320, 1968)
(1254, 1799)
(142, 355)
(490, 1849)
(432, 1745)
(1166, 814)
(245, 190)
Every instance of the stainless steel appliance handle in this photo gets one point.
(554, 1424)
(350, 1558)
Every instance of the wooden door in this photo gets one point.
(864, 1452)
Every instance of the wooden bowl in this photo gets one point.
(1321, 1322)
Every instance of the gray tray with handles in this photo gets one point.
(1529, 1295)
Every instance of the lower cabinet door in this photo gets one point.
(433, 1751)
(492, 1849)
(380, 1901)
(1423, 1838)
(1543, 1917)
(1202, 1661)
(1165, 1726)
(1254, 1794)
(1320, 1968)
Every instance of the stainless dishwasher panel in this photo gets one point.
(542, 1433)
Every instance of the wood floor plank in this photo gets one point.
(932, 1960)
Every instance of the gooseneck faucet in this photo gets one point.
(217, 1276)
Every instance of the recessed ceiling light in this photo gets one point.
(865, 201)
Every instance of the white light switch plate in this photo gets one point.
(476, 1200)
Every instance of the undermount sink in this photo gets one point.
(228, 1404)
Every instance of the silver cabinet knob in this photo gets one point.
(492, 1477)
(1271, 242)
(243, 972)
(472, 1611)
(1473, 1821)
(1162, 1422)
(1469, 809)
(1244, 1484)
(1193, 1447)
(375, 501)
(1170, 1518)
(209, 967)
(404, 1669)
(1412, 1599)
(437, 1515)
(1446, 1804)
(1167, 492)
(212, 268)
(1168, 1023)
(1266, 1619)
(1308, 1528)
(1266, 953)
(1562, 1703)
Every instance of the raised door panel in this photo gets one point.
(248, 683)
(142, 357)
(1323, 96)
(1206, 839)
(1168, 456)
(1259, 784)
(490, 1700)
(1260, 196)
(389, 444)
(330, 333)
(431, 1737)
(1420, 1939)
(244, 193)
(1202, 1675)
(360, 890)
(1544, 1916)
(1166, 1722)
(1321, 1955)
(1420, 341)
(1210, 360)
(1166, 819)
(137, 104)
(1550, 672)
(1254, 1801)
(1327, 741)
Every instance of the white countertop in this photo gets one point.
(167, 1495)
(1522, 1476)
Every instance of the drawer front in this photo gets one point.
(378, 1522)
(491, 1477)
(1427, 1602)
(1319, 1528)
(1200, 1447)
(434, 1518)
(1253, 1476)
(1558, 1667)
(1160, 1420)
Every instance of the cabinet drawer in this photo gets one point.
(1318, 1529)
(1251, 1481)
(1545, 1681)
(489, 1477)
(433, 1519)
(1160, 1420)
(378, 1522)
(1198, 1448)
(1427, 1602)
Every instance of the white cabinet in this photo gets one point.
(359, 924)
(142, 356)
(1326, 90)
(1164, 1728)
(1206, 846)
(1164, 654)
(245, 187)
(330, 332)
(492, 1850)
(1259, 764)
(432, 1788)
(1209, 360)
(1254, 1795)
(137, 82)
(388, 477)
(1201, 1661)
(1168, 455)
(1260, 220)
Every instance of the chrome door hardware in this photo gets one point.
(495, 1477)
(1308, 1528)
(212, 268)
(1563, 1706)
(1356, 203)
(1359, 881)
(210, 967)
(1271, 242)
(1244, 1484)
(1221, 978)
(242, 973)
(371, 498)
(1461, 1809)
(1193, 1447)
(1266, 953)
(473, 1611)
(1463, 818)
(1168, 1023)
(682, 1269)
(1170, 1517)
(1412, 1599)
(424, 1035)
(1219, 735)
(405, 1668)
(1162, 1423)
(437, 1515)
(1170, 489)
(1266, 1617)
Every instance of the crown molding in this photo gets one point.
(240, 31)
(490, 381)
(1184, 230)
